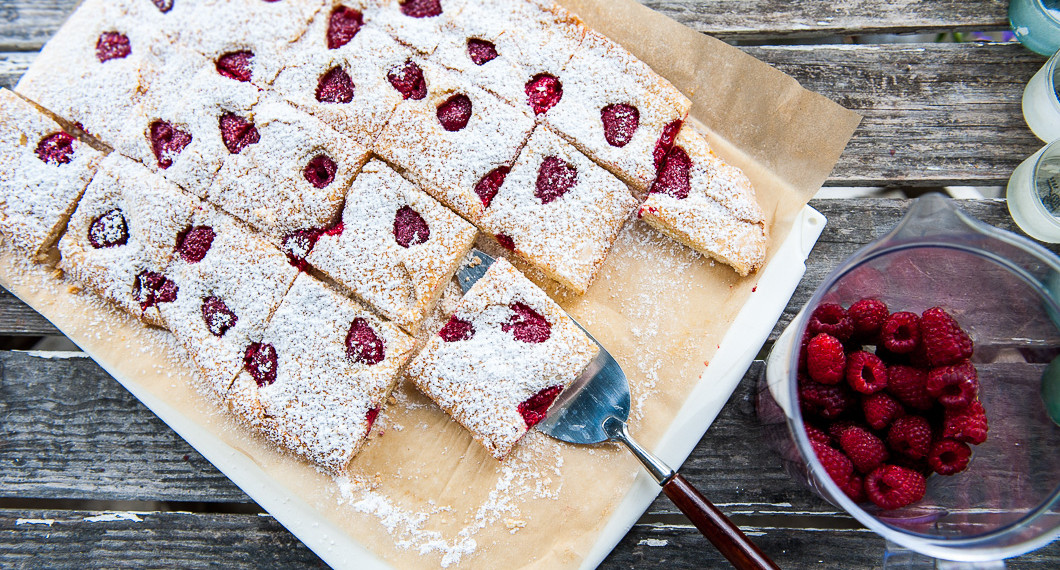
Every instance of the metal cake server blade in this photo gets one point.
(595, 409)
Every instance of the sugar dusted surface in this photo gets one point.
(421, 34)
(568, 237)
(319, 403)
(36, 198)
(603, 73)
(155, 212)
(720, 217)
(450, 164)
(481, 381)
(400, 282)
(264, 184)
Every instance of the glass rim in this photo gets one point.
(1046, 12)
(1051, 150)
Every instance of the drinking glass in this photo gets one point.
(1033, 194)
(1041, 108)
(1036, 24)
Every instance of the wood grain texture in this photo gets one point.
(17, 318)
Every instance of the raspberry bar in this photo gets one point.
(456, 142)
(708, 205)
(43, 172)
(398, 247)
(559, 210)
(618, 111)
(123, 234)
(417, 23)
(229, 281)
(292, 177)
(317, 378)
(498, 364)
(88, 73)
(517, 50)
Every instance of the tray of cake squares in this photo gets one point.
(250, 212)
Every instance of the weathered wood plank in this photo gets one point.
(17, 318)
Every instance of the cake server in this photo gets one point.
(595, 409)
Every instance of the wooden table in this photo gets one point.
(73, 441)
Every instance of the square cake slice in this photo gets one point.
(708, 205)
(559, 210)
(618, 111)
(123, 234)
(506, 353)
(316, 379)
(398, 247)
(229, 281)
(456, 142)
(43, 172)
(293, 178)
(417, 23)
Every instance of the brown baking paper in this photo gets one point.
(422, 493)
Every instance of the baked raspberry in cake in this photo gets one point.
(617, 110)
(123, 235)
(454, 140)
(293, 177)
(418, 23)
(398, 246)
(317, 378)
(43, 172)
(707, 204)
(502, 358)
(229, 281)
(559, 210)
(88, 73)
(515, 49)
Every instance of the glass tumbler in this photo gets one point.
(1033, 194)
(1003, 290)
(1041, 107)
(1036, 24)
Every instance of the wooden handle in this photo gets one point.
(719, 530)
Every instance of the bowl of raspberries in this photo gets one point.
(916, 389)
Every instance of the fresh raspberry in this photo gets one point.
(410, 228)
(536, 407)
(867, 316)
(56, 148)
(335, 86)
(900, 333)
(363, 345)
(217, 316)
(948, 457)
(506, 241)
(894, 487)
(866, 373)
(832, 319)
(320, 171)
(666, 143)
(527, 325)
(620, 123)
(673, 177)
(487, 188)
(343, 25)
(965, 424)
(910, 436)
(108, 230)
(167, 142)
(864, 449)
(112, 45)
(855, 488)
(954, 386)
(945, 342)
(828, 402)
(825, 360)
(236, 65)
(259, 361)
(297, 245)
(817, 434)
(455, 112)
(163, 6)
(836, 429)
(880, 410)
(238, 133)
(909, 385)
(544, 91)
(151, 289)
(555, 177)
(456, 330)
(194, 243)
(421, 8)
(481, 52)
(408, 80)
(837, 465)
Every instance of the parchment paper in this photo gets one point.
(422, 493)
